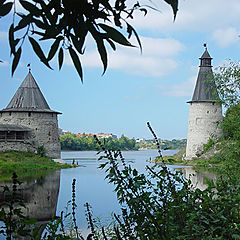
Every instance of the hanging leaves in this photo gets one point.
(31, 8)
(37, 49)
(16, 59)
(103, 53)
(68, 23)
(76, 62)
(115, 35)
(54, 48)
(60, 58)
(174, 5)
(5, 8)
(11, 39)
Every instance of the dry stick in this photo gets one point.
(62, 225)
(163, 164)
(73, 209)
(104, 235)
(91, 222)
(156, 140)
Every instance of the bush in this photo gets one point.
(231, 123)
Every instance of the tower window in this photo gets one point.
(29, 114)
(207, 111)
(12, 135)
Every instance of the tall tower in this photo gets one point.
(28, 123)
(205, 112)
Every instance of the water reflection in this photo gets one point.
(40, 198)
(199, 178)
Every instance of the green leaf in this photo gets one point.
(103, 53)
(60, 58)
(76, 62)
(2, 2)
(40, 24)
(174, 5)
(5, 9)
(115, 35)
(54, 48)
(111, 44)
(16, 59)
(143, 10)
(31, 8)
(11, 39)
(130, 29)
(37, 49)
(23, 22)
(77, 43)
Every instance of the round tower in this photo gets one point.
(28, 123)
(205, 112)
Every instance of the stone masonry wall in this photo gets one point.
(44, 129)
(202, 125)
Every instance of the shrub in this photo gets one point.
(231, 123)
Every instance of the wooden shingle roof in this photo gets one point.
(205, 89)
(28, 98)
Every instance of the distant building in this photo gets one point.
(61, 131)
(106, 135)
(99, 135)
(205, 112)
(28, 123)
(140, 140)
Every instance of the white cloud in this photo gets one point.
(226, 37)
(3, 36)
(195, 15)
(157, 59)
(183, 89)
(4, 63)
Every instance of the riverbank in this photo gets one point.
(222, 157)
(25, 164)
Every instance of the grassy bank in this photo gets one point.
(25, 164)
(222, 156)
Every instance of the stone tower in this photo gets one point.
(28, 123)
(205, 111)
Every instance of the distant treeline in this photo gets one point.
(165, 144)
(73, 142)
(174, 144)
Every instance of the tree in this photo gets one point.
(227, 79)
(231, 123)
(67, 24)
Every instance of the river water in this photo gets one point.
(47, 196)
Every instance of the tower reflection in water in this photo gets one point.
(40, 198)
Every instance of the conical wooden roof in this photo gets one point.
(205, 89)
(28, 98)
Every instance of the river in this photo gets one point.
(47, 196)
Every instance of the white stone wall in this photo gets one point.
(202, 124)
(44, 129)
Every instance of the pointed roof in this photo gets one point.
(205, 89)
(205, 54)
(28, 98)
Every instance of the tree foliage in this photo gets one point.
(231, 123)
(68, 23)
(227, 80)
(71, 141)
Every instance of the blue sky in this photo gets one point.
(153, 86)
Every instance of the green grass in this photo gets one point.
(25, 164)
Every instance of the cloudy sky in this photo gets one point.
(153, 86)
